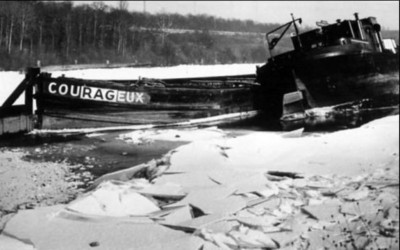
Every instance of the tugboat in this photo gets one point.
(346, 65)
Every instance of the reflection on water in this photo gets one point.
(337, 120)
(323, 119)
(258, 123)
(32, 140)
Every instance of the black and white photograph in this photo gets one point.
(199, 125)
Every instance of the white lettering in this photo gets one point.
(111, 95)
(121, 96)
(86, 91)
(63, 89)
(50, 88)
(139, 97)
(77, 90)
(98, 94)
(130, 97)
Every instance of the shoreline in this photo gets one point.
(239, 184)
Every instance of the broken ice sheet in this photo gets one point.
(323, 212)
(269, 190)
(387, 200)
(188, 180)
(198, 223)
(11, 243)
(359, 194)
(222, 226)
(241, 181)
(291, 175)
(387, 242)
(360, 208)
(47, 231)
(121, 175)
(176, 216)
(204, 196)
(226, 206)
(250, 238)
(297, 223)
(299, 183)
(110, 199)
(288, 206)
(221, 240)
(257, 221)
(392, 213)
(283, 239)
(263, 205)
(319, 182)
(210, 246)
(167, 191)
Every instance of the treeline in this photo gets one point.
(57, 33)
(48, 33)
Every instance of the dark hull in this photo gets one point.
(352, 77)
(330, 77)
(73, 103)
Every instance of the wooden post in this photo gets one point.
(24, 85)
(15, 119)
(29, 99)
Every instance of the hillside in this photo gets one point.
(37, 33)
(47, 33)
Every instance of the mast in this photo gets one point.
(296, 29)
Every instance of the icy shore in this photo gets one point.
(226, 191)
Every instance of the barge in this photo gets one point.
(73, 104)
(347, 64)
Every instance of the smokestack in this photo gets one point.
(359, 26)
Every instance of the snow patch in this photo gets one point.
(347, 152)
(180, 71)
(190, 134)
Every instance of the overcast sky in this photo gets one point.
(387, 12)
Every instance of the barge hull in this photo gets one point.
(67, 103)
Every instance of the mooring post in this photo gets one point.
(24, 85)
(19, 118)
(31, 74)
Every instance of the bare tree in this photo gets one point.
(98, 7)
(40, 42)
(1, 29)
(10, 12)
(164, 23)
(122, 27)
(123, 5)
(26, 17)
(68, 34)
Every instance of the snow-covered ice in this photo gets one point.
(180, 71)
(347, 152)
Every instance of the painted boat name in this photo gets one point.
(98, 94)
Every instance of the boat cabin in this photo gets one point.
(366, 33)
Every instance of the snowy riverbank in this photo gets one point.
(228, 190)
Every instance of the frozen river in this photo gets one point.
(221, 182)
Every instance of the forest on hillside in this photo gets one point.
(56, 33)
